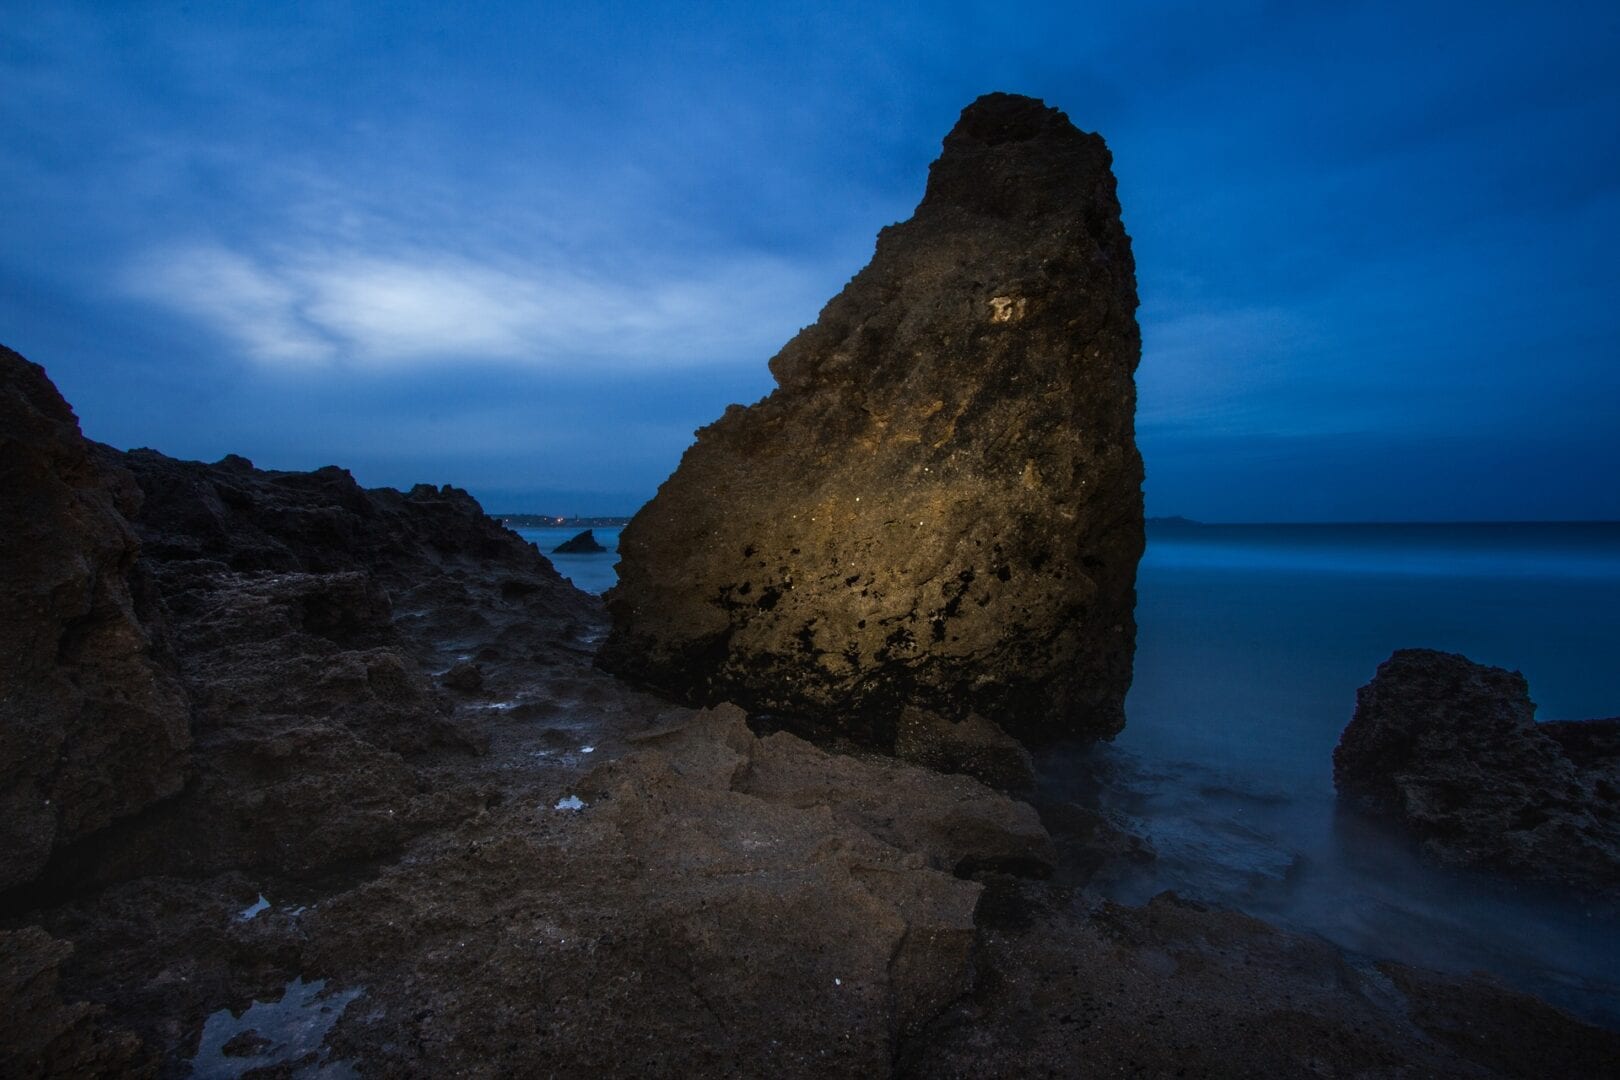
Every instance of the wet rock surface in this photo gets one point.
(1452, 751)
(940, 504)
(1176, 989)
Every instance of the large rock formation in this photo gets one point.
(1451, 750)
(940, 505)
(93, 723)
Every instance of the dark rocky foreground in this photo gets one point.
(1451, 750)
(407, 829)
(940, 505)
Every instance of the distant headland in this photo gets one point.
(559, 521)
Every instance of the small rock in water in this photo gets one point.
(582, 544)
(245, 1044)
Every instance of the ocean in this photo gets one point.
(592, 573)
(1251, 643)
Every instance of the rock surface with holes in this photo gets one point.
(940, 504)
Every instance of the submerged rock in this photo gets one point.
(582, 544)
(940, 504)
(1451, 750)
(93, 723)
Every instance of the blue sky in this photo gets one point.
(527, 249)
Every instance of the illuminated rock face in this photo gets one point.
(940, 505)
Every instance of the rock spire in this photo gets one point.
(940, 504)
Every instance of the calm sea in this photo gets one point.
(1252, 640)
(1251, 643)
(593, 573)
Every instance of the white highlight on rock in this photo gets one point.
(572, 802)
(1005, 309)
(253, 909)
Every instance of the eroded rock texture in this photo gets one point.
(1451, 749)
(42, 1035)
(93, 723)
(306, 613)
(940, 504)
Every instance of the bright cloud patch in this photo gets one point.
(321, 308)
(242, 299)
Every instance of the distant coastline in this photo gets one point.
(1178, 522)
(1172, 522)
(560, 521)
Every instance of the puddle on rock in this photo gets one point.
(286, 1033)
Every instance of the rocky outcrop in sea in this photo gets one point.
(584, 543)
(1451, 750)
(940, 505)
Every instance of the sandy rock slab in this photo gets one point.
(709, 904)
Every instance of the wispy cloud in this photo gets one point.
(239, 297)
(1206, 366)
(320, 307)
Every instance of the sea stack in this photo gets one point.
(940, 504)
(584, 543)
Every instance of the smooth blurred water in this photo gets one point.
(592, 573)
(1252, 641)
